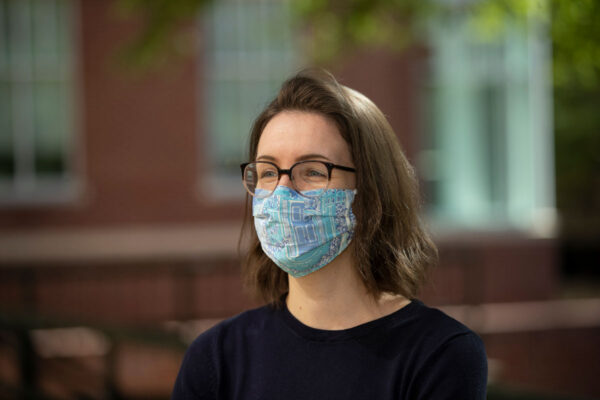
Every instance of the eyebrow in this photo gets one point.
(304, 157)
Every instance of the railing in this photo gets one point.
(50, 359)
(61, 351)
(502, 393)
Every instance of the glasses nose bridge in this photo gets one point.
(287, 172)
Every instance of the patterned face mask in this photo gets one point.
(301, 234)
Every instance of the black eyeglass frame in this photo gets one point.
(288, 172)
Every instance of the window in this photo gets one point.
(249, 51)
(36, 100)
(488, 158)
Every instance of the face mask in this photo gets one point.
(301, 234)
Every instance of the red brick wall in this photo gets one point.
(126, 293)
(558, 361)
(152, 292)
(139, 138)
(393, 82)
(142, 146)
(493, 269)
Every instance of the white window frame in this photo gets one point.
(242, 64)
(457, 161)
(26, 186)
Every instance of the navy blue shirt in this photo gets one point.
(414, 353)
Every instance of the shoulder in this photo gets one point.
(434, 328)
(453, 357)
(443, 333)
(199, 372)
(435, 320)
(231, 328)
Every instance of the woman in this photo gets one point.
(338, 253)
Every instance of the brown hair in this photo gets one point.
(392, 251)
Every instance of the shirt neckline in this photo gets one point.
(324, 335)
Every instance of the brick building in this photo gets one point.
(121, 202)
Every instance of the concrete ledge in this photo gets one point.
(122, 244)
(484, 319)
(528, 316)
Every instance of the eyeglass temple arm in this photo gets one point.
(243, 167)
(349, 169)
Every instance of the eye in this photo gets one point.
(268, 174)
(314, 173)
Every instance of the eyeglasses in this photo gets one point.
(261, 177)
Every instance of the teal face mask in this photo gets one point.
(301, 234)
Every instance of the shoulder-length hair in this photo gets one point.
(392, 251)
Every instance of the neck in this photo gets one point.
(334, 297)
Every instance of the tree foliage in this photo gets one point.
(337, 26)
(333, 27)
(160, 37)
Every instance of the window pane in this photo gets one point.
(479, 159)
(44, 35)
(36, 96)
(3, 41)
(7, 162)
(249, 53)
(49, 127)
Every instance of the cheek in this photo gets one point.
(343, 182)
(352, 181)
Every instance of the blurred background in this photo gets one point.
(123, 123)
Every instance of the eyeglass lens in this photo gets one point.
(261, 178)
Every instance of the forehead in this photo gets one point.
(291, 135)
